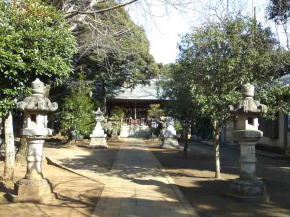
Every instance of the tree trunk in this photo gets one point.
(186, 140)
(285, 133)
(9, 148)
(22, 151)
(104, 98)
(217, 151)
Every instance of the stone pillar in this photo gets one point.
(33, 187)
(34, 158)
(248, 187)
(98, 137)
(248, 160)
(170, 137)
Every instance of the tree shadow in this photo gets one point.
(206, 194)
(76, 196)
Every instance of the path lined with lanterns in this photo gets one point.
(136, 185)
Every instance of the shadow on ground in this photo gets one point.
(194, 177)
(76, 196)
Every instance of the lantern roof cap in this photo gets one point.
(248, 105)
(37, 101)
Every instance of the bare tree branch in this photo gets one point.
(74, 13)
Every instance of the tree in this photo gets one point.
(35, 41)
(220, 57)
(117, 117)
(120, 57)
(279, 11)
(180, 106)
(155, 111)
(112, 49)
(77, 115)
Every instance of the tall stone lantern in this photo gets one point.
(170, 137)
(33, 187)
(248, 187)
(98, 137)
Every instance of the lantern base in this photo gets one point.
(170, 142)
(32, 190)
(249, 190)
(98, 143)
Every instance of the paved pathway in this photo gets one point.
(137, 186)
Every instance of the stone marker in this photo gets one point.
(248, 187)
(98, 137)
(170, 137)
(33, 187)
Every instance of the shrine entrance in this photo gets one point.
(136, 121)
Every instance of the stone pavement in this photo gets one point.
(137, 186)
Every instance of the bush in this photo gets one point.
(77, 115)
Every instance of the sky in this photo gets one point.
(164, 25)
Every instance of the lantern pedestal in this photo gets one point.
(170, 142)
(98, 137)
(98, 143)
(33, 187)
(249, 190)
(248, 187)
(170, 137)
(32, 191)
(246, 130)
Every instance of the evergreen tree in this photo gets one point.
(218, 58)
(77, 115)
(35, 41)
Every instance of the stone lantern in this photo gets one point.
(98, 137)
(170, 137)
(248, 187)
(33, 187)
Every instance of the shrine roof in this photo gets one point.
(148, 91)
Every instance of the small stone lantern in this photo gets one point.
(98, 137)
(33, 187)
(170, 137)
(248, 187)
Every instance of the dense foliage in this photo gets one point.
(35, 41)
(155, 111)
(279, 10)
(77, 117)
(121, 56)
(218, 58)
(112, 49)
(117, 116)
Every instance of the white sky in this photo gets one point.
(165, 24)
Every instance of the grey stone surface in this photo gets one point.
(33, 187)
(35, 108)
(249, 190)
(137, 186)
(170, 137)
(98, 143)
(170, 142)
(246, 132)
(98, 137)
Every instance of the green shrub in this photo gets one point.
(77, 115)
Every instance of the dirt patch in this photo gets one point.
(77, 195)
(195, 178)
